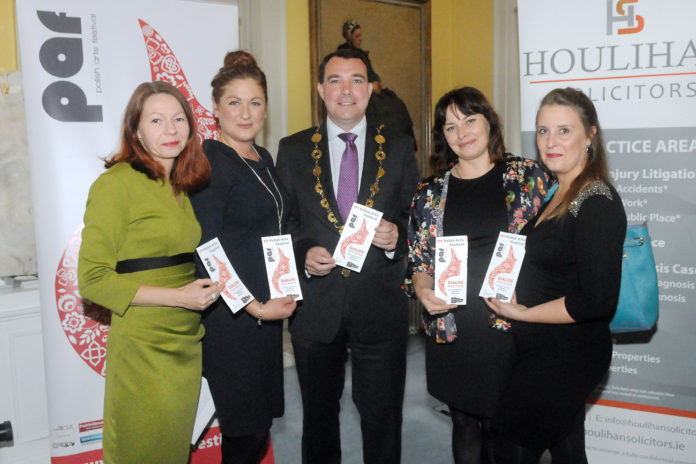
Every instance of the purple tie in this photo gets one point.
(348, 177)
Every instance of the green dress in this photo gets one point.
(153, 360)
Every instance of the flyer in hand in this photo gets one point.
(280, 266)
(504, 267)
(235, 293)
(356, 237)
(450, 268)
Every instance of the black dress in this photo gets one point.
(559, 365)
(242, 361)
(470, 373)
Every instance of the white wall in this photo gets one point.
(22, 383)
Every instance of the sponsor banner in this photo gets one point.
(207, 451)
(81, 60)
(636, 59)
(617, 434)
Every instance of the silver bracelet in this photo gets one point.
(258, 321)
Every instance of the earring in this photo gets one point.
(589, 150)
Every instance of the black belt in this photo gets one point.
(145, 264)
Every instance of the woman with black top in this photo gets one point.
(486, 191)
(242, 352)
(567, 290)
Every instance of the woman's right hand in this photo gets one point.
(274, 309)
(199, 294)
(433, 304)
(423, 286)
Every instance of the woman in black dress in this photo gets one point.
(486, 191)
(242, 352)
(566, 293)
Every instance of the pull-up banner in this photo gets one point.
(636, 60)
(81, 60)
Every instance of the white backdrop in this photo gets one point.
(91, 55)
(636, 59)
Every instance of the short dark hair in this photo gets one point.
(468, 101)
(347, 54)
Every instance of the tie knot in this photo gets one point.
(348, 137)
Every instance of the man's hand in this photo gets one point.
(386, 235)
(319, 261)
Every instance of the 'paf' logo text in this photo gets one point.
(626, 16)
(62, 57)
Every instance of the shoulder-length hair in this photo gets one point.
(467, 101)
(191, 170)
(596, 166)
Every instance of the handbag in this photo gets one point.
(639, 300)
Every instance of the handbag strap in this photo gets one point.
(145, 264)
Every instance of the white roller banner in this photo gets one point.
(636, 59)
(81, 60)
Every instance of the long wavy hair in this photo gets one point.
(191, 170)
(468, 101)
(596, 166)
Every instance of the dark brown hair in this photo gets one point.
(468, 101)
(596, 166)
(348, 28)
(347, 54)
(191, 170)
(238, 65)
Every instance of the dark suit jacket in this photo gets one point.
(373, 298)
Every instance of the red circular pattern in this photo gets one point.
(86, 325)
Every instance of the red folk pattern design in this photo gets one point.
(164, 66)
(86, 325)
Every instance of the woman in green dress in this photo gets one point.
(136, 260)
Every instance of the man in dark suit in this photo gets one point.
(367, 310)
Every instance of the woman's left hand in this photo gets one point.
(510, 310)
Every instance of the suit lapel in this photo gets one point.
(370, 165)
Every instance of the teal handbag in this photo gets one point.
(639, 301)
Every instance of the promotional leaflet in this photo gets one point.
(280, 266)
(235, 294)
(450, 268)
(356, 237)
(504, 267)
